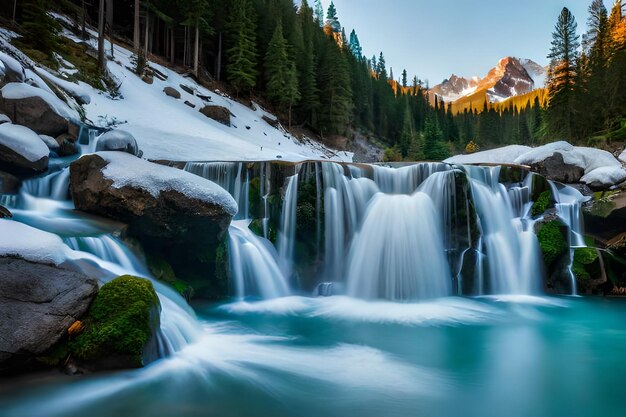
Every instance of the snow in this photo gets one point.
(23, 141)
(78, 92)
(168, 129)
(18, 239)
(50, 142)
(605, 176)
(127, 170)
(505, 155)
(20, 91)
(3, 69)
(544, 152)
(4, 118)
(12, 65)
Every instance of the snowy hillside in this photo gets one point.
(168, 128)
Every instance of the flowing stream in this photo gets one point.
(357, 290)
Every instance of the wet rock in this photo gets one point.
(190, 104)
(187, 89)
(22, 152)
(217, 113)
(38, 303)
(171, 92)
(9, 184)
(554, 168)
(5, 213)
(118, 140)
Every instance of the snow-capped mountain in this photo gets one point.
(511, 77)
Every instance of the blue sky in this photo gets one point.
(435, 38)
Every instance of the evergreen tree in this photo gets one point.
(241, 69)
(562, 73)
(381, 69)
(335, 91)
(40, 29)
(332, 12)
(434, 148)
(405, 81)
(355, 46)
(408, 132)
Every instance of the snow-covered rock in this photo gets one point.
(37, 109)
(80, 93)
(13, 70)
(50, 142)
(118, 140)
(26, 242)
(504, 155)
(604, 177)
(4, 118)
(21, 149)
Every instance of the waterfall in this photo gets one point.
(254, 265)
(398, 254)
(287, 235)
(53, 186)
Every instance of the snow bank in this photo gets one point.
(605, 176)
(127, 170)
(78, 92)
(50, 142)
(12, 65)
(18, 91)
(505, 155)
(4, 118)
(23, 141)
(18, 239)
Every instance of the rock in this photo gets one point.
(187, 89)
(217, 113)
(190, 104)
(38, 303)
(272, 122)
(337, 142)
(50, 142)
(166, 217)
(120, 330)
(21, 150)
(67, 147)
(148, 79)
(118, 140)
(554, 168)
(552, 237)
(33, 112)
(12, 69)
(5, 213)
(9, 184)
(4, 119)
(171, 92)
(605, 216)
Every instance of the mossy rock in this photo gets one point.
(542, 204)
(121, 326)
(552, 241)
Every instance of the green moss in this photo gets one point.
(119, 321)
(542, 204)
(221, 262)
(584, 260)
(551, 241)
(254, 197)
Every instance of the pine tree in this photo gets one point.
(405, 81)
(280, 72)
(197, 16)
(381, 69)
(332, 12)
(241, 69)
(355, 46)
(335, 91)
(306, 63)
(434, 148)
(408, 132)
(562, 73)
(319, 13)
(40, 29)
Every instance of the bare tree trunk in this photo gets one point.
(185, 49)
(84, 21)
(137, 28)
(145, 51)
(109, 14)
(219, 58)
(101, 62)
(14, 10)
(196, 52)
(173, 46)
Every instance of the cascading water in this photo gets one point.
(286, 238)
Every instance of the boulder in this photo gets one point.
(171, 92)
(50, 142)
(21, 150)
(118, 140)
(217, 113)
(120, 330)
(605, 216)
(190, 104)
(175, 215)
(5, 213)
(4, 119)
(12, 70)
(38, 303)
(35, 108)
(556, 169)
(148, 79)
(272, 122)
(187, 89)
(9, 184)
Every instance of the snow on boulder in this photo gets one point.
(118, 140)
(13, 70)
(4, 118)
(50, 142)
(79, 93)
(177, 216)
(34, 245)
(605, 177)
(22, 150)
(504, 155)
(38, 109)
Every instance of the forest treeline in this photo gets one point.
(301, 61)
